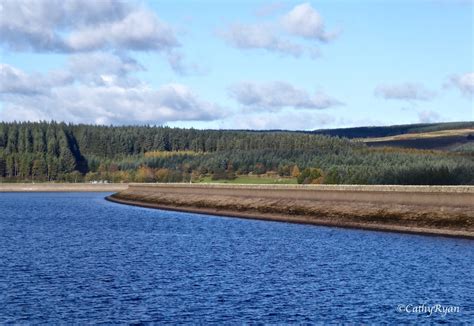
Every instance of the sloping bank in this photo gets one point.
(437, 210)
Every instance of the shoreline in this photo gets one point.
(425, 210)
(323, 210)
(62, 187)
(297, 220)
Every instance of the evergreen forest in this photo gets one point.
(59, 152)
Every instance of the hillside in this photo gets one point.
(66, 152)
(385, 131)
(452, 136)
(450, 140)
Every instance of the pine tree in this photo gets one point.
(53, 168)
(39, 168)
(67, 161)
(3, 166)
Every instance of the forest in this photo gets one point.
(59, 152)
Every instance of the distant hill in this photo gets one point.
(371, 132)
(451, 136)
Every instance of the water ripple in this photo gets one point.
(75, 258)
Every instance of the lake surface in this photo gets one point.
(74, 257)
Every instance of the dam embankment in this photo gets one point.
(434, 210)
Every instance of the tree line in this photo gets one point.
(51, 151)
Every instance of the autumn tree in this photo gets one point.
(295, 171)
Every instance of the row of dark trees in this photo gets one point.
(49, 151)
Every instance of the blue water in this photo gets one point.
(74, 257)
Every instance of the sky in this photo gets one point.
(237, 64)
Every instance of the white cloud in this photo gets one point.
(81, 25)
(109, 99)
(140, 30)
(15, 82)
(306, 22)
(405, 91)
(277, 95)
(101, 62)
(100, 68)
(465, 83)
(284, 35)
(259, 36)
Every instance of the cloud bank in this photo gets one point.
(97, 89)
(276, 95)
(97, 85)
(82, 25)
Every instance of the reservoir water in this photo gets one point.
(76, 258)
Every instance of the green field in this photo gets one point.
(245, 179)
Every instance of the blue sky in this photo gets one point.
(241, 64)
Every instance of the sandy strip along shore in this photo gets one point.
(62, 187)
(446, 211)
